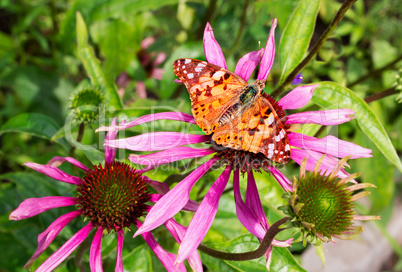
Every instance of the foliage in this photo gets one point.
(49, 49)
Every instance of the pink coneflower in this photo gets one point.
(111, 197)
(172, 147)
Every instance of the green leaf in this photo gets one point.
(119, 42)
(297, 34)
(124, 8)
(33, 123)
(333, 95)
(92, 65)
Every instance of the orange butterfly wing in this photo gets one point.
(213, 91)
(258, 130)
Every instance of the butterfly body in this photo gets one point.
(235, 112)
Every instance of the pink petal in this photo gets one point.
(246, 216)
(297, 98)
(145, 43)
(327, 117)
(157, 73)
(95, 256)
(191, 205)
(160, 187)
(65, 250)
(212, 49)
(167, 259)
(171, 203)
(203, 217)
(178, 231)
(47, 237)
(53, 172)
(177, 116)
(110, 152)
(140, 89)
(157, 141)
(329, 145)
(119, 252)
(327, 165)
(34, 206)
(268, 258)
(281, 178)
(170, 155)
(269, 54)
(246, 65)
(253, 200)
(160, 57)
(57, 161)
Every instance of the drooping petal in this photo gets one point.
(329, 145)
(178, 231)
(297, 98)
(57, 161)
(268, 258)
(327, 117)
(160, 187)
(281, 178)
(212, 50)
(170, 155)
(119, 252)
(253, 200)
(171, 203)
(95, 254)
(157, 141)
(269, 54)
(167, 259)
(328, 164)
(203, 217)
(53, 172)
(110, 152)
(246, 65)
(46, 237)
(34, 206)
(246, 216)
(177, 116)
(65, 250)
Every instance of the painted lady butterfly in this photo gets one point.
(236, 112)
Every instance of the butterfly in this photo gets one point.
(236, 113)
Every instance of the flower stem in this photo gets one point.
(240, 32)
(375, 72)
(81, 129)
(260, 251)
(335, 22)
(382, 94)
(369, 99)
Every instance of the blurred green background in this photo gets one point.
(136, 42)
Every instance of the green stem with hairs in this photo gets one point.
(330, 29)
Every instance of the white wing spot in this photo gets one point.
(287, 147)
(187, 61)
(198, 69)
(190, 76)
(269, 120)
(277, 138)
(276, 151)
(204, 62)
(280, 152)
(218, 75)
(184, 66)
(185, 71)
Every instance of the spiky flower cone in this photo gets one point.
(85, 104)
(322, 207)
